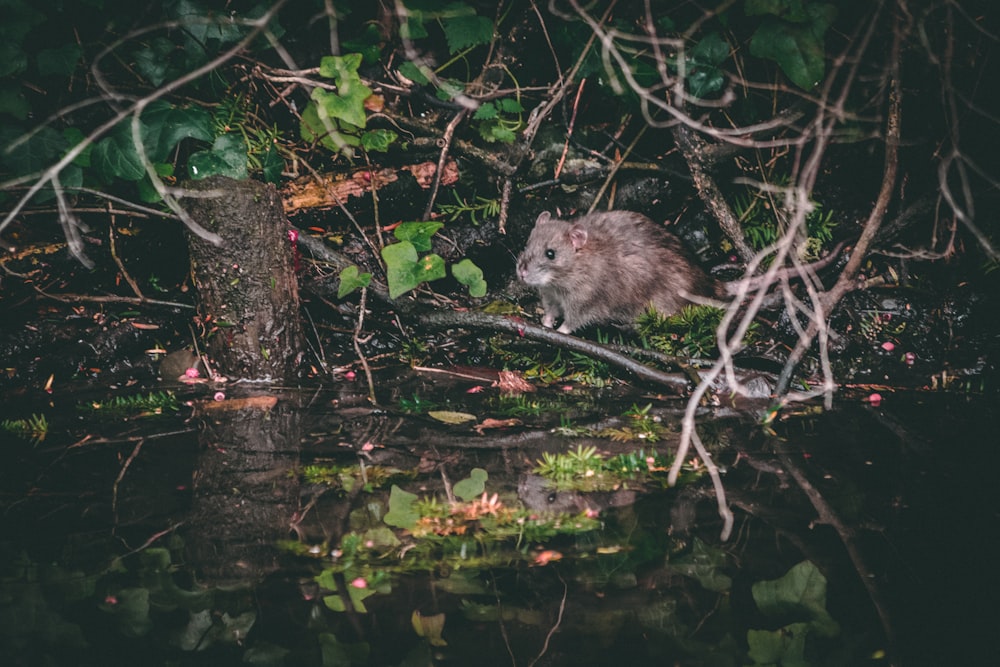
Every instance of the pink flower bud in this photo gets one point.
(360, 583)
(875, 400)
(191, 372)
(888, 346)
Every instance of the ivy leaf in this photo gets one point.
(348, 108)
(317, 126)
(401, 513)
(711, 50)
(418, 233)
(348, 103)
(60, 61)
(473, 486)
(378, 140)
(74, 136)
(465, 31)
(351, 279)
(798, 48)
(115, 156)
(271, 165)
(147, 192)
(153, 61)
(800, 594)
(166, 125)
(470, 275)
(784, 646)
(368, 44)
(13, 102)
(404, 271)
(18, 20)
(227, 157)
(790, 10)
(34, 153)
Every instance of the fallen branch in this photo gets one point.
(676, 383)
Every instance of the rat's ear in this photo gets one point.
(543, 217)
(577, 236)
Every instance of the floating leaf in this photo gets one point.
(401, 513)
(429, 627)
(473, 486)
(801, 593)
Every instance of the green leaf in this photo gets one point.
(711, 50)
(351, 279)
(59, 61)
(401, 513)
(486, 111)
(73, 138)
(418, 233)
(340, 68)
(33, 154)
(790, 10)
(348, 106)
(227, 157)
(404, 271)
(493, 133)
(416, 74)
(465, 31)
(153, 61)
(18, 20)
(378, 140)
(13, 102)
(785, 646)
(473, 486)
(316, 125)
(797, 47)
(800, 594)
(470, 275)
(115, 156)
(272, 165)
(510, 105)
(165, 126)
(368, 44)
(705, 564)
(147, 192)
(347, 103)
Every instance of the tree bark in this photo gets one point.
(247, 288)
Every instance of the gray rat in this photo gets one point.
(609, 267)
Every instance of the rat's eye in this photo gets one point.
(550, 253)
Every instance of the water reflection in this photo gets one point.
(316, 529)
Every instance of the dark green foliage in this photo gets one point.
(689, 333)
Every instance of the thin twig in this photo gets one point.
(121, 266)
(554, 628)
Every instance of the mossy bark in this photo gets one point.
(248, 292)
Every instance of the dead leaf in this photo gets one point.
(450, 417)
(495, 423)
(511, 382)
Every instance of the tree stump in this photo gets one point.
(247, 289)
